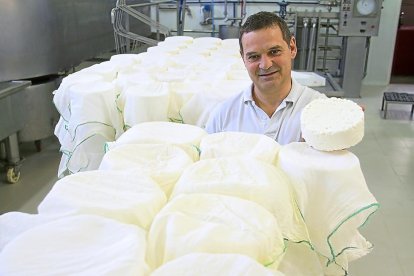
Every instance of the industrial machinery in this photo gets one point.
(333, 36)
(335, 42)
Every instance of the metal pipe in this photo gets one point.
(260, 2)
(180, 16)
(311, 45)
(304, 44)
(332, 82)
(367, 45)
(157, 18)
(12, 149)
(155, 3)
(325, 50)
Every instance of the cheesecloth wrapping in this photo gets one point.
(226, 144)
(164, 163)
(187, 137)
(206, 264)
(214, 224)
(334, 200)
(252, 180)
(81, 245)
(128, 197)
(12, 224)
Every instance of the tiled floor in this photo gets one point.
(387, 159)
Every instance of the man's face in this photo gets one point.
(268, 59)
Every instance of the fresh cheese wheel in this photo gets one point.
(214, 224)
(332, 124)
(187, 137)
(207, 40)
(334, 199)
(107, 69)
(205, 264)
(145, 102)
(129, 197)
(94, 111)
(227, 144)
(61, 97)
(179, 38)
(164, 163)
(77, 245)
(249, 179)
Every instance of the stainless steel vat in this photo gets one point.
(38, 100)
(228, 31)
(12, 113)
(45, 37)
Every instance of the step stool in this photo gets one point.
(397, 98)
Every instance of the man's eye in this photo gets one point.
(253, 57)
(275, 52)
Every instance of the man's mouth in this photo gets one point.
(267, 74)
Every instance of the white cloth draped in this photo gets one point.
(214, 224)
(205, 264)
(164, 163)
(81, 245)
(334, 200)
(129, 197)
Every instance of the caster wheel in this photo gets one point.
(12, 175)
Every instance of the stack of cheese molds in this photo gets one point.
(169, 199)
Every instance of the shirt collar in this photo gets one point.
(291, 97)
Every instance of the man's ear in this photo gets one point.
(293, 48)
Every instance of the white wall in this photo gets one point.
(382, 47)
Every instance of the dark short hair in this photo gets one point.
(263, 20)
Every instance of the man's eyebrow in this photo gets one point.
(251, 53)
(276, 47)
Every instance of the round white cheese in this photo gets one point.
(332, 124)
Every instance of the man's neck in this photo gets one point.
(269, 101)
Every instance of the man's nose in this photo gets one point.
(265, 62)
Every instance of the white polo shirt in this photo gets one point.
(240, 113)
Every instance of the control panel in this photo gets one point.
(359, 17)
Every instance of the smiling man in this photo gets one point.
(272, 104)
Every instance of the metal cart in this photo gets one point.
(12, 119)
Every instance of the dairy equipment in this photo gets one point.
(333, 36)
(336, 42)
(11, 120)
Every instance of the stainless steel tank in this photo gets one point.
(38, 100)
(44, 37)
(228, 31)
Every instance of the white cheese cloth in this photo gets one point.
(214, 224)
(94, 120)
(334, 199)
(197, 110)
(164, 163)
(249, 179)
(187, 137)
(12, 224)
(180, 94)
(145, 102)
(128, 197)
(78, 245)
(205, 264)
(227, 144)
(107, 69)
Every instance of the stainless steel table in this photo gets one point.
(12, 119)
